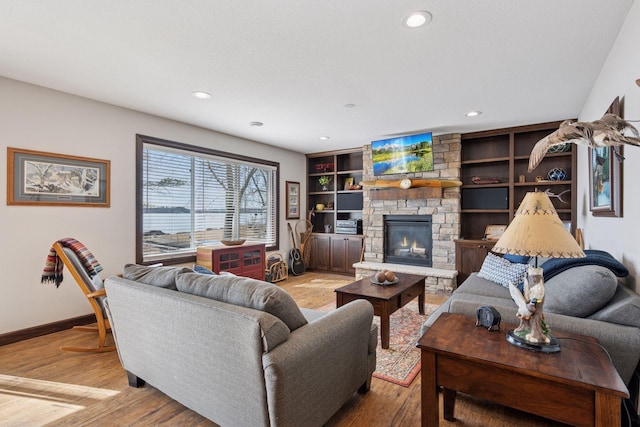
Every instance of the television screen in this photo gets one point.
(412, 153)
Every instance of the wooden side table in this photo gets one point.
(385, 299)
(577, 385)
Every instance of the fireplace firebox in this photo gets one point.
(408, 239)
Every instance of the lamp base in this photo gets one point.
(552, 347)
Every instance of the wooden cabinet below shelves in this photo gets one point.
(470, 255)
(335, 252)
(247, 260)
(345, 251)
(320, 252)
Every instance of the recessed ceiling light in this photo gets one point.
(473, 113)
(324, 138)
(255, 124)
(417, 19)
(201, 94)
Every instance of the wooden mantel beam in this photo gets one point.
(401, 194)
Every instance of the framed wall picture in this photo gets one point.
(605, 176)
(49, 179)
(293, 200)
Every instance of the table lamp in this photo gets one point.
(536, 230)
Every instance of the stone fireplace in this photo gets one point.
(443, 205)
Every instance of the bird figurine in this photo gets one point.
(609, 131)
(525, 309)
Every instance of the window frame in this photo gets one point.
(141, 140)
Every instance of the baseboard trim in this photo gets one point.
(49, 328)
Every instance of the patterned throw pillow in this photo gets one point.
(501, 271)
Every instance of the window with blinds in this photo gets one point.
(191, 196)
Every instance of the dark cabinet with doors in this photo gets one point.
(320, 258)
(246, 260)
(345, 251)
(470, 255)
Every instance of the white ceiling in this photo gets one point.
(294, 64)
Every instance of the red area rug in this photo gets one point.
(400, 363)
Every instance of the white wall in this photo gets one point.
(40, 119)
(619, 236)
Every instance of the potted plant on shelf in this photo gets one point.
(324, 181)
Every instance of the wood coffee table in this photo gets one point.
(385, 299)
(577, 385)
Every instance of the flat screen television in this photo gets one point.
(412, 153)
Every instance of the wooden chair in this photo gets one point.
(93, 289)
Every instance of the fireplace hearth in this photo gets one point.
(408, 239)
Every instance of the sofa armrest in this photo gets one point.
(319, 366)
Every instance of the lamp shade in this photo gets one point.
(536, 230)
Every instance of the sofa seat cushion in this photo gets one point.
(476, 285)
(163, 277)
(623, 308)
(580, 291)
(502, 271)
(244, 292)
(312, 315)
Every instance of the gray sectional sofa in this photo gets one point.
(584, 299)
(239, 351)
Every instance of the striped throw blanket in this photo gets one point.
(53, 266)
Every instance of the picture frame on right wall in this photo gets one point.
(605, 176)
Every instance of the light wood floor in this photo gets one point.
(41, 385)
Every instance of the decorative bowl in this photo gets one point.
(232, 242)
(385, 283)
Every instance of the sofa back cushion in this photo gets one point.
(580, 291)
(244, 292)
(163, 277)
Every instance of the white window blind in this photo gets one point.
(192, 199)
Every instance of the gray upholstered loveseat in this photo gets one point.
(273, 364)
(584, 299)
